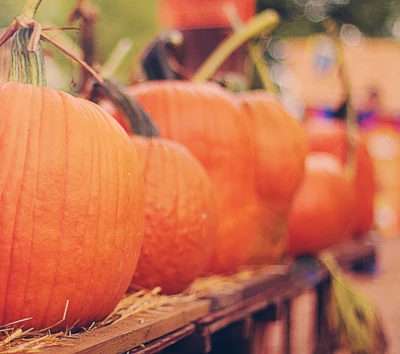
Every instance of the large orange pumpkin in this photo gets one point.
(71, 208)
(322, 213)
(331, 136)
(205, 119)
(180, 217)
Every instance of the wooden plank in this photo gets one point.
(166, 341)
(217, 311)
(232, 295)
(130, 333)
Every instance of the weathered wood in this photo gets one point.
(287, 327)
(130, 333)
(229, 296)
(193, 327)
(321, 330)
(166, 341)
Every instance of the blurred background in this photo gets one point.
(362, 20)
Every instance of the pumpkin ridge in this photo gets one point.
(27, 154)
(117, 157)
(59, 239)
(83, 108)
(12, 162)
(97, 144)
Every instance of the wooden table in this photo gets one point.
(233, 320)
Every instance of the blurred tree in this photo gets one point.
(302, 17)
(137, 20)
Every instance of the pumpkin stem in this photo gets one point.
(351, 117)
(87, 14)
(27, 67)
(30, 8)
(267, 19)
(140, 122)
(253, 49)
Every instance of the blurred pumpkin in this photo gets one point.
(180, 216)
(322, 212)
(280, 148)
(331, 137)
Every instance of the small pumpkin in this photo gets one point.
(279, 145)
(331, 137)
(322, 212)
(71, 204)
(280, 148)
(180, 216)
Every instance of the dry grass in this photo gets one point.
(144, 304)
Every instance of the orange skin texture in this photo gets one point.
(205, 119)
(280, 148)
(71, 209)
(330, 137)
(322, 212)
(180, 216)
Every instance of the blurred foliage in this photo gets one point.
(303, 17)
(120, 18)
(137, 21)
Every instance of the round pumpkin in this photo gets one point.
(205, 119)
(322, 212)
(279, 145)
(180, 216)
(71, 209)
(331, 136)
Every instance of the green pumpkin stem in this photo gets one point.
(254, 50)
(30, 8)
(26, 67)
(266, 20)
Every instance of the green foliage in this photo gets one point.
(137, 21)
(119, 18)
(301, 17)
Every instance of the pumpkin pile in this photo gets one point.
(158, 184)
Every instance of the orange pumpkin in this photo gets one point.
(180, 216)
(331, 136)
(279, 145)
(205, 119)
(322, 212)
(280, 148)
(71, 206)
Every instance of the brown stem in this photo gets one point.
(140, 122)
(9, 32)
(71, 55)
(86, 13)
(61, 28)
(25, 20)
